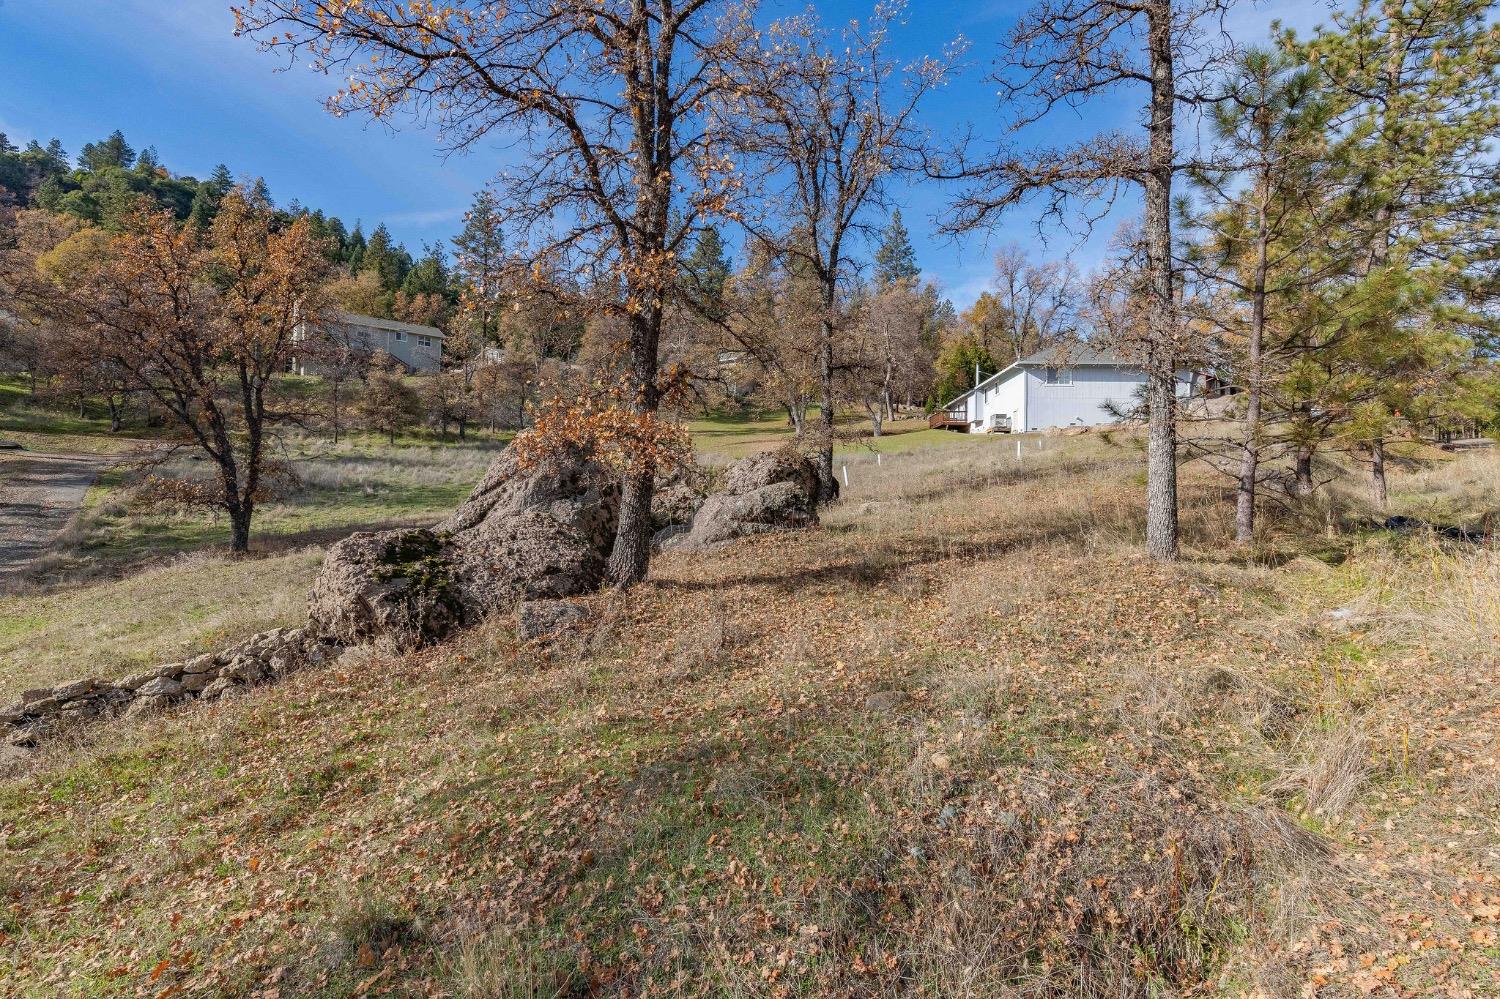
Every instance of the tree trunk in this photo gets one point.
(631, 558)
(1161, 467)
(1244, 513)
(1244, 507)
(335, 412)
(1302, 484)
(239, 527)
(828, 488)
(114, 413)
(1161, 392)
(1377, 473)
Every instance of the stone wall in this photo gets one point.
(257, 659)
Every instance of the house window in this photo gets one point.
(1059, 376)
(400, 336)
(425, 341)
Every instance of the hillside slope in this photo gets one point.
(961, 741)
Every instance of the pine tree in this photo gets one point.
(354, 250)
(1417, 92)
(205, 206)
(1270, 232)
(111, 152)
(895, 259)
(429, 276)
(956, 366)
(148, 162)
(479, 267)
(708, 268)
(57, 157)
(221, 181)
(383, 257)
(260, 193)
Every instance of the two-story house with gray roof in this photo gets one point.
(418, 347)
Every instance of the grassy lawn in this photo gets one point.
(361, 484)
(131, 585)
(109, 628)
(963, 741)
(43, 424)
(735, 436)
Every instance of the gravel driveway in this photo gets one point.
(39, 494)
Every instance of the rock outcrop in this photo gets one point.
(528, 536)
(257, 659)
(523, 534)
(545, 618)
(674, 504)
(774, 491)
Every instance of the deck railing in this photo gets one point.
(956, 417)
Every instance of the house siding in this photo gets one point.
(408, 349)
(1087, 401)
(1007, 397)
(1094, 390)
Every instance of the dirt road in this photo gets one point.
(39, 494)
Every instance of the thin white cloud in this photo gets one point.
(429, 216)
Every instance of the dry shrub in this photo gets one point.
(367, 468)
(707, 645)
(1159, 699)
(1459, 491)
(1331, 770)
(496, 965)
(1153, 699)
(1118, 883)
(367, 928)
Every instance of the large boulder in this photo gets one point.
(677, 496)
(774, 491)
(541, 532)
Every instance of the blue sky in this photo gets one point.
(169, 73)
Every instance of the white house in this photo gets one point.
(1077, 386)
(418, 347)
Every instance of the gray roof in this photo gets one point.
(374, 322)
(1076, 355)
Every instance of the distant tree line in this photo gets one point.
(375, 274)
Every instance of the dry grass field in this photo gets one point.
(961, 741)
(128, 585)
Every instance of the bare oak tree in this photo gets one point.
(200, 322)
(1038, 302)
(1063, 53)
(610, 102)
(829, 116)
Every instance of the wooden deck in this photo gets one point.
(949, 419)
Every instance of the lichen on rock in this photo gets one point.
(539, 532)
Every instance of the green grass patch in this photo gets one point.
(109, 627)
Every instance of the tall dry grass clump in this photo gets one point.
(1121, 883)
